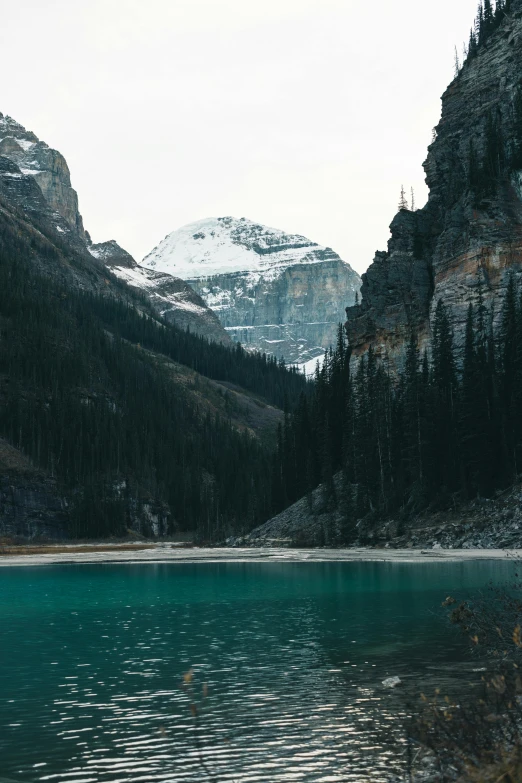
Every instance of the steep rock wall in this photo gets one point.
(293, 316)
(458, 243)
(47, 166)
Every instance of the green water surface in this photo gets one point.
(92, 661)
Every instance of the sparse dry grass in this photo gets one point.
(10, 550)
(509, 770)
(478, 739)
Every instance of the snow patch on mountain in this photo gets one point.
(147, 279)
(171, 297)
(309, 367)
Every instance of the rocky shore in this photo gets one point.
(483, 523)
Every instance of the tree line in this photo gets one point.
(501, 151)
(447, 427)
(499, 156)
(489, 17)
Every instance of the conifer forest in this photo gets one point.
(435, 434)
(87, 396)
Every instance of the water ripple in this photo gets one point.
(91, 665)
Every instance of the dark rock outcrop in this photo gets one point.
(32, 508)
(460, 242)
(31, 504)
(311, 521)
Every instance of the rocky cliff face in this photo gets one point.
(278, 293)
(30, 503)
(463, 240)
(36, 179)
(47, 166)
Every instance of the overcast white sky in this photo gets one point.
(306, 115)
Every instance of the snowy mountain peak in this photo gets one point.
(275, 292)
(226, 245)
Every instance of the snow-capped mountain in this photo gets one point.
(277, 292)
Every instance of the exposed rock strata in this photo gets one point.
(281, 294)
(454, 245)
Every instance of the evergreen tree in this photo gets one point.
(508, 334)
(516, 397)
(472, 45)
(517, 130)
(488, 18)
(444, 386)
(509, 354)
(411, 401)
(457, 63)
(403, 202)
(471, 406)
(479, 25)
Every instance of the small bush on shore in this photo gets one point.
(479, 738)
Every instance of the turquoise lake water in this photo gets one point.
(92, 661)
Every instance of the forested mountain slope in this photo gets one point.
(110, 417)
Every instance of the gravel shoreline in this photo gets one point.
(167, 553)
